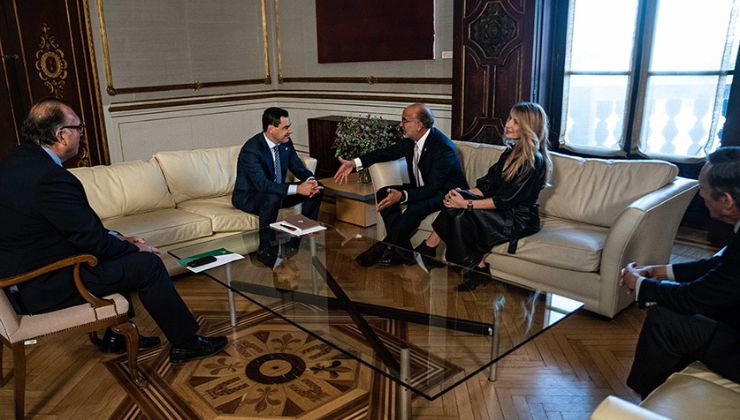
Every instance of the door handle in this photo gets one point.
(10, 56)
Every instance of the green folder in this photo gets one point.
(221, 251)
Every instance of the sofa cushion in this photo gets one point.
(125, 188)
(163, 227)
(200, 173)
(688, 397)
(224, 217)
(562, 244)
(596, 191)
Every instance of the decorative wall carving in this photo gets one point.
(51, 63)
(493, 30)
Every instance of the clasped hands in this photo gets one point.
(309, 187)
(140, 243)
(454, 200)
(628, 275)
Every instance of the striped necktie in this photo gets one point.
(276, 155)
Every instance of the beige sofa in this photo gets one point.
(694, 393)
(597, 216)
(172, 200)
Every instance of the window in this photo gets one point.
(648, 77)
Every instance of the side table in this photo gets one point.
(355, 200)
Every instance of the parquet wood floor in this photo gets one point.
(562, 374)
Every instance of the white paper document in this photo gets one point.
(220, 260)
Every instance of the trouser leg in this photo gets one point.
(400, 226)
(668, 342)
(145, 273)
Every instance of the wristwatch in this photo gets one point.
(470, 205)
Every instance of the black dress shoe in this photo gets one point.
(197, 347)
(267, 258)
(113, 342)
(474, 278)
(372, 255)
(396, 256)
(425, 256)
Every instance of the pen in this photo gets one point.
(289, 227)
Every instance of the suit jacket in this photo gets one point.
(255, 171)
(46, 217)
(439, 165)
(709, 287)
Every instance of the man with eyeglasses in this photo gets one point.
(434, 169)
(46, 217)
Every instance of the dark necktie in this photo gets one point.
(276, 154)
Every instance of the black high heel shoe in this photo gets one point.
(474, 278)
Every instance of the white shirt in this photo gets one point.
(292, 188)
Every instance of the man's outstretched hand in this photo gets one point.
(345, 168)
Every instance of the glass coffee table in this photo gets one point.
(404, 322)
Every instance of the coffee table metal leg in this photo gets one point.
(405, 400)
(314, 277)
(496, 306)
(230, 296)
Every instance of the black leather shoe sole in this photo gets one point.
(206, 346)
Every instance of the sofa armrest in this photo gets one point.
(384, 174)
(644, 232)
(615, 408)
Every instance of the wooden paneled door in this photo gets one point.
(46, 48)
(494, 64)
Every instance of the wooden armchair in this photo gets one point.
(18, 331)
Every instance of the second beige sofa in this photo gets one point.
(172, 200)
(597, 216)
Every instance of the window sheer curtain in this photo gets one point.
(683, 77)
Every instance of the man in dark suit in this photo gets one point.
(260, 186)
(46, 217)
(434, 169)
(694, 307)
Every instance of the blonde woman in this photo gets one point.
(502, 207)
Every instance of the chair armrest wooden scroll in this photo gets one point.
(76, 261)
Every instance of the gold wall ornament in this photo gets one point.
(51, 64)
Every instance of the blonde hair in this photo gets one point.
(533, 126)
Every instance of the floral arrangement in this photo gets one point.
(358, 136)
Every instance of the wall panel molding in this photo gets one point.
(195, 85)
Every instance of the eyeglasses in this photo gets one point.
(80, 128)
(404, 121)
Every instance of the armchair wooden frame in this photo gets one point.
(119, 323)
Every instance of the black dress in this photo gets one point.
(469, 235)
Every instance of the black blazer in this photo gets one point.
(46, 217)
(255, 170)
(439, 165)
(709, 287)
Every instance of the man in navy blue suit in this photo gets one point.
(434, 169)
(46, 217)
(694, 307)
(260, 187)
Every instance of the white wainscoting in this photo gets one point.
(138, 134)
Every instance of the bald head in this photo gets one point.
(422, 113)
(53, 124)
(43, 121)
